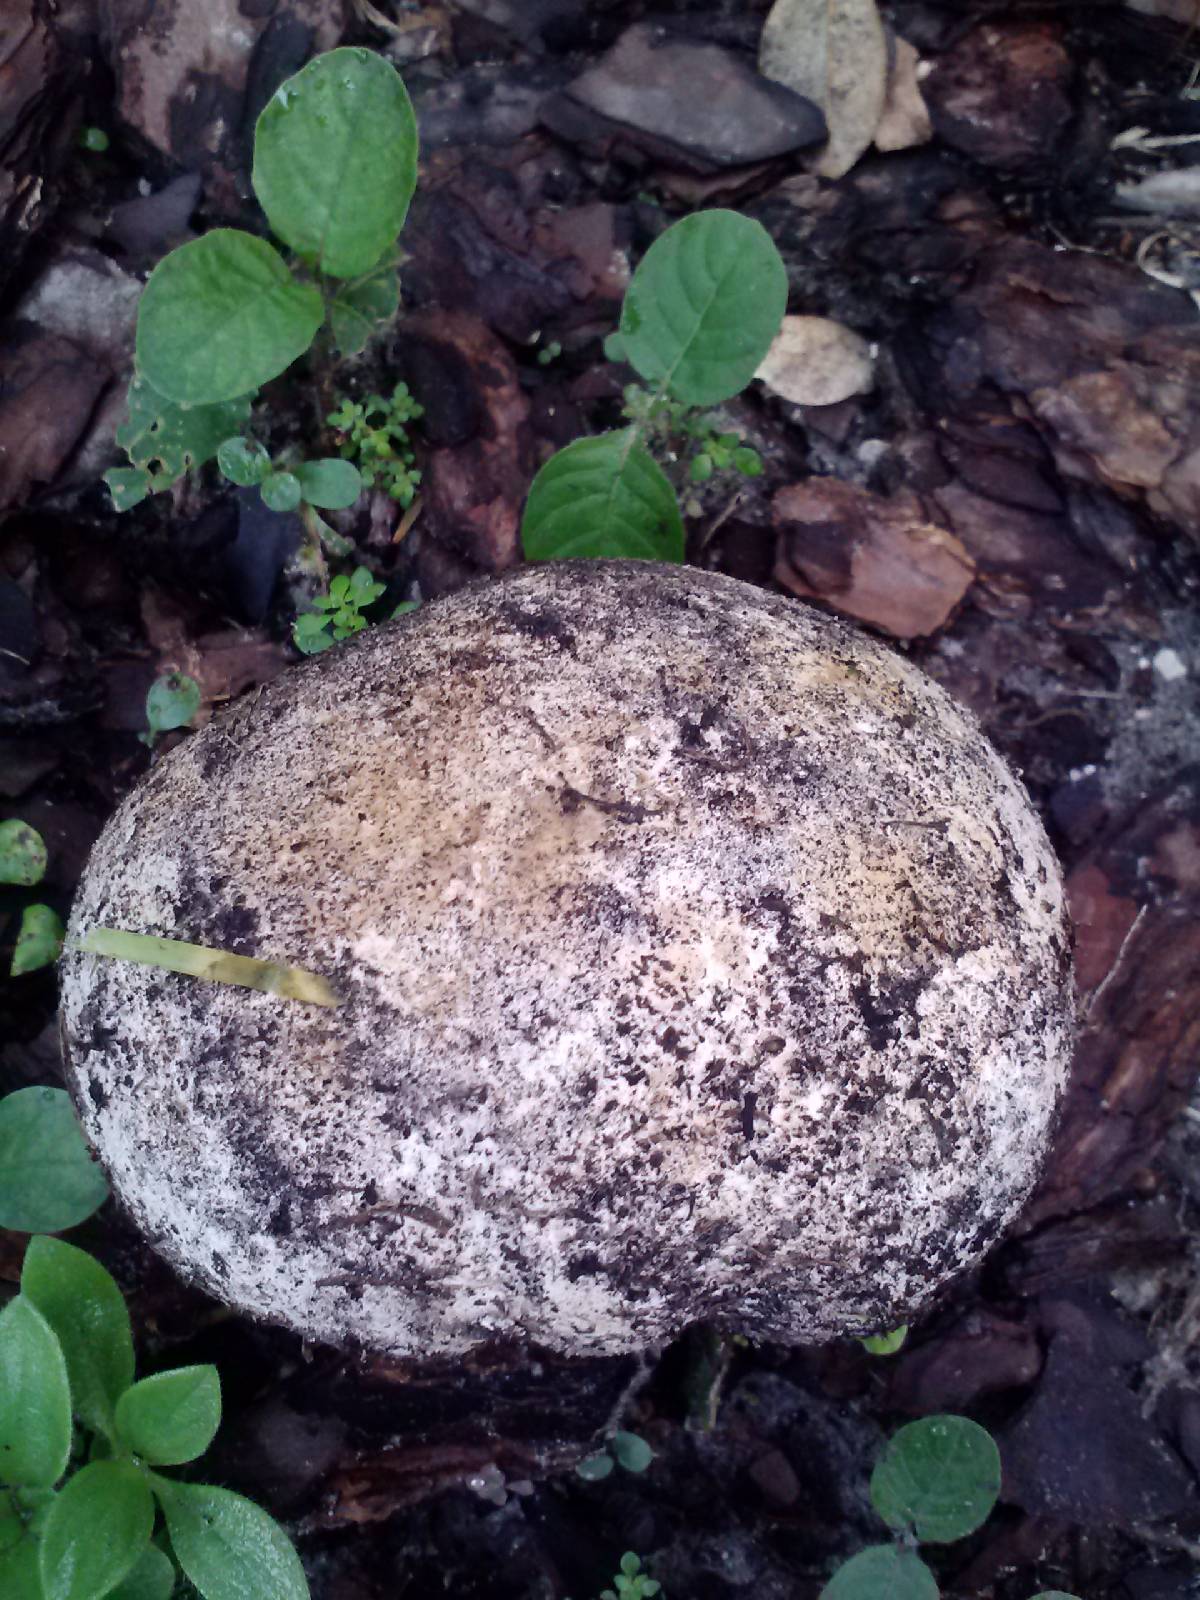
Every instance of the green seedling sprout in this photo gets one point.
(23, 861)
(212, 966)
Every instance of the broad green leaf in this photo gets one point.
(632, 1451)
(98, 1528)
(39, 940)
(229, 1547)
(335, 160)
(172, 702)
(310, 635)
(221, 316)
(164, 440)
(281, 491)
(19, 1578)
(939, 1478)
(331, 484)
(361, 305)
(882, 1572)
(703, 306)
(85, 1308)
(48, 1180)
(598, 497)
(22, 854)
(152, 1578)
(243, 461)
(171, 1418)
(35, 1399)
(885, 1344)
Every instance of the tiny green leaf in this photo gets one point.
(128, 486)
(281, 491)
(220, 316)
(85, 1308)
(229, 1547)
(310, 635)
(164, 440)
(93, 139)
(362, 305)
(35, 1399)
(939, 1478)
(331, 484)
(632, 1451)
(882, 1572)
(152, 1578)
(243, 461)
(214, 966)
(171, 1418)
(885, 1344)
(593, 1468)
(703, 306)
(22, 854)
(335, 160)
(614, 347)
(39, 940)
(602, 497)
(172, 702)
(98, 1528)
(48, 1180)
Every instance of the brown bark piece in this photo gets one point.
(48, 388)
(880, 560)
(1001, 95)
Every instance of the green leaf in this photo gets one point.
(243, 461)
(19, 1579)
(152, 1578)
(599, 497)
(939, 1478)
(361, 305)
(309, 633)
(85, 1308)
(335, 160)
(164, 440)
(882, 1572)
(39, 940)
(632, 1451)
(593, 1468)
(97, 1529)
(220, 316)
(172, 702)
(281, 491)
(229, 1547)
(331, 484)
(703, 306)
(22, 854)
(885, 1344)
(171, 1418)
(35, 1399)
(48, 1180)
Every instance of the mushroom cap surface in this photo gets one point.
(700, 958)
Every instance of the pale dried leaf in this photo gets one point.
(814, 361)
(905, 120)
(834, 52)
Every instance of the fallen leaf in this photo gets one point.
(905, 120)
(835, 53)
(816, 362)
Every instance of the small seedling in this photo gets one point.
(172, 702)
(631, 1583)
(80, 1525)
(628, 1450)
(337, 615)
(93, 139)
(23, 860)
(48, 1179)
(213, 966)
(335, 166)
(885, 1344)
(936, 1481)
(374, 434)
(699, 315)
(328, 485)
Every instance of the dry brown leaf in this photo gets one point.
(816, 362)
(905, 120)
(834, 52)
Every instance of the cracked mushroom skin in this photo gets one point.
(700, 960)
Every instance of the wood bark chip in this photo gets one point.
(905, 120)
(835, 53)
(814, 361)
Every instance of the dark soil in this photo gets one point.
(1035, 413)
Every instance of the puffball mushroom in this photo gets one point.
(700, 961)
